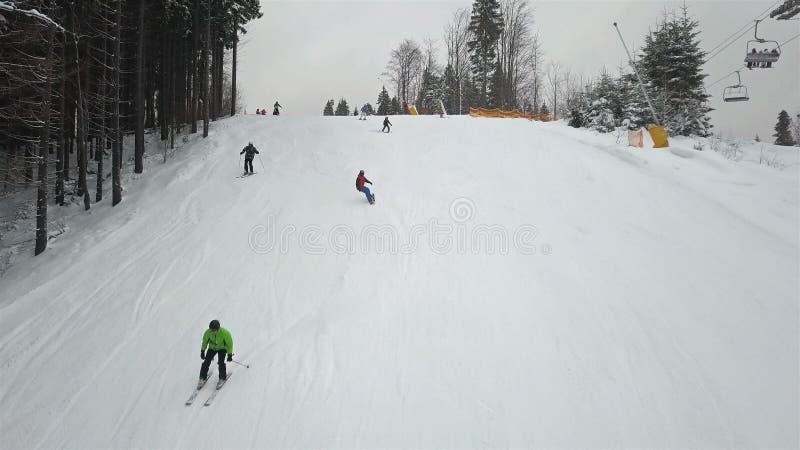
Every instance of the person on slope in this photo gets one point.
(364, 113)
(249, 153)
(387, 125)
(219, 342)
(361, 180)
(276, 107)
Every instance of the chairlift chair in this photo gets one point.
(737, 92)
(757, 58)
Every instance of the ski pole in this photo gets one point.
(237, 362)
(262, 161)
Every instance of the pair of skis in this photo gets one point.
(214, 393)
(246, 174)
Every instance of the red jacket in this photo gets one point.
(360, 182)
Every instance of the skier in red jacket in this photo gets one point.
(360, 187)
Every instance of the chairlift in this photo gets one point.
(737, 92)
(757, 58)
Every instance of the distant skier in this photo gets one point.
(364, 113)
(219, 342)
(249, 152)
(387, 125)
(275, 111)
(361, 180)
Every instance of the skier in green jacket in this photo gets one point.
(218, 340)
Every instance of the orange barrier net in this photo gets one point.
(515, 114)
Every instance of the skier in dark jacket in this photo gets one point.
(275, 110)
(387, 125)
(219, 342)
(249, 152)
(361, 180)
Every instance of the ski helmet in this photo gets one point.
(361, 172)
(214, 325)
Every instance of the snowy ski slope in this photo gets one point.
(659, 307)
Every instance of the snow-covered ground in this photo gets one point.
(628, 298)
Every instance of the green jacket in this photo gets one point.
(218, 340)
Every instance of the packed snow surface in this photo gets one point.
(516, 284)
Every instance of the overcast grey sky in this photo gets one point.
(305, 52)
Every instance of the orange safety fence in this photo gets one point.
(515, 114)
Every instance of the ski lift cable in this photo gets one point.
(758, 19)
(743, 66)
(729, 43)
(766, 11)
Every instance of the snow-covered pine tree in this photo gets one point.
(783, 132)
(599, 113)
(577, 107)
(635, 112)
(328, 111)
(384, 102)
(672, 62)
(342, 109)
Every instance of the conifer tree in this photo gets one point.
(635, 112)
(485, 25)
(497, 89)
(328, 111)
(600, 111)
(783, 133)
(394, 107)
(450, 89)
(672, 62)
(342, 109)
(384, 102)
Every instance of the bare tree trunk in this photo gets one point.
(81, 124)
(60, 150)
(102, 100)
(139, 144)
(116, 151)
(194, 65)
(44, 143)
(233, 69)
(204, 73)
(28, 163)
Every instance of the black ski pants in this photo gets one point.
(223, 374)
(246, 162)
(386, 128)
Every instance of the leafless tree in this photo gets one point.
(456, 35)
(514, 48)
(404, 68)
(555, 76)
(535, 58)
